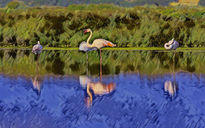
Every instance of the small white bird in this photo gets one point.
(37, 48)
(171, 45)
(84, 47)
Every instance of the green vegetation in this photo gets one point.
(127, 27)
(23, 62)
(108, 48)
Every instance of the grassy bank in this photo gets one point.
(127, 27)
(112, 49)
(107, 48)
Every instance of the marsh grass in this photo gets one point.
(107, 48)
(142, 26)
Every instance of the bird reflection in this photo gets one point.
(93, 89)
(171, 86)
(37, 80)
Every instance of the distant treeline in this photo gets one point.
(148, 26)
(126, 3)
(69, 2)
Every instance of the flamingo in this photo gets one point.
(97, 43)
(37, 48)
(171, 45)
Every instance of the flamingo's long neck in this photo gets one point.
(171, 42)
(88, 40)
(89, 93)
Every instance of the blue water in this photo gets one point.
(134, 101)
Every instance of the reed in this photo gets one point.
(140, 26)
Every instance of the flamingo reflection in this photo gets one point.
(170, 86)
(37, 81)
(93, 89)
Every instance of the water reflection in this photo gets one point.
(114, 62)
(37, 80)
(95, 88)
(171, 86)
(12, 53)
(58, 65)
(138, 100)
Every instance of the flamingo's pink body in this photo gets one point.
(97, 88)
(100, 43)
(97, 43)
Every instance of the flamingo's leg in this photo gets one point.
(174, 64)
(87, 63)
(100, 66)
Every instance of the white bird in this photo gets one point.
(171, 45)
(84, 47)
(37, 48)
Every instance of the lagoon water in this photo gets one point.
(129, 89)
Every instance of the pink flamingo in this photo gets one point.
(97, 43)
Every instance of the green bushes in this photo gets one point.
(127, 27)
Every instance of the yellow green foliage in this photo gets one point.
(127, 27)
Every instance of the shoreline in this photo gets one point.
(123, 48)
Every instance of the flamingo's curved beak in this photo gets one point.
(85, 31)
